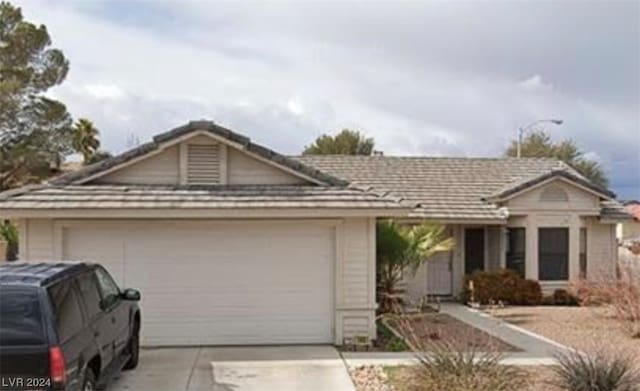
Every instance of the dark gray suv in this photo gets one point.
(64, 326)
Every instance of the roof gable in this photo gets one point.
(163, 141)
(528, 184)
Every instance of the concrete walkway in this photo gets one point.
(533, 345)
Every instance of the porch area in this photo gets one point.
(477, 247)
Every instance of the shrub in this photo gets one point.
(449, 369)
(621, 291)
(563, 297)
(502, 286)
(579, 372)
(388, 341)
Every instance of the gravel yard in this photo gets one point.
(584, 328)
(376, 378)
(436, 328)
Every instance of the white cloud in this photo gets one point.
(535, 83)
(422, 78)
(104, 91)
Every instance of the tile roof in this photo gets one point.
(194, 197)
(444, 188)
(191, 127)
(614, 210)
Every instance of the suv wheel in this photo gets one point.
(133, 349)
(89, 383)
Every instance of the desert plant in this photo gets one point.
(445, 364)
(456, 370)
(595, 372)
(402, 249)
(502, 286)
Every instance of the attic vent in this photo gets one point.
(203, 164)
(554, 194)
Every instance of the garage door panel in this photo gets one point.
(223, 283)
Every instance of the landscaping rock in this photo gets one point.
(370, 378)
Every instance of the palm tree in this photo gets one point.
(403, 249)
(85, 139)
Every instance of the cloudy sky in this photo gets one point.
(432, 78)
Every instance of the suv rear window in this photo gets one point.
(20, 317)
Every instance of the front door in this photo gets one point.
(473, 250)
(439, 274)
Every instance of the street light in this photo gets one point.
(523, 129)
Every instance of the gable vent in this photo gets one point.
(203, 164)
(554, 194)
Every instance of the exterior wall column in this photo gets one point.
(574, 247)
(531, 256)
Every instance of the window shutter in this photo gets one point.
(203, 164)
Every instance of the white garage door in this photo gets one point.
(219, 283)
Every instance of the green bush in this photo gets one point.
(502, 286)
(579, 372)
(388, 341)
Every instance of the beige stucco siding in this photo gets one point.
(172, 167)
(354, 253)
(36, 240)
(355, 295)
(601, 249)
(494, 247)
(245, 170)
(578, 200)
(159, 169)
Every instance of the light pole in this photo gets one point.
(523, 129)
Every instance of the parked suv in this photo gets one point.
(64, 326)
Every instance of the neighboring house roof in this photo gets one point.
(194, 197)
(192, 127)
(633, 209)
(447, 188)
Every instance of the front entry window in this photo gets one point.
(553, 254)
(516, 250)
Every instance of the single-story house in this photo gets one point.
(534, 215)
(233, 243)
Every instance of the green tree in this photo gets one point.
(539, 144)
(347, 142)
(99, 156)
(35, 131)
(402, 249)
(85, 139)
(9, 234)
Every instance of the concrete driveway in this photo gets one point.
(280, 368)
